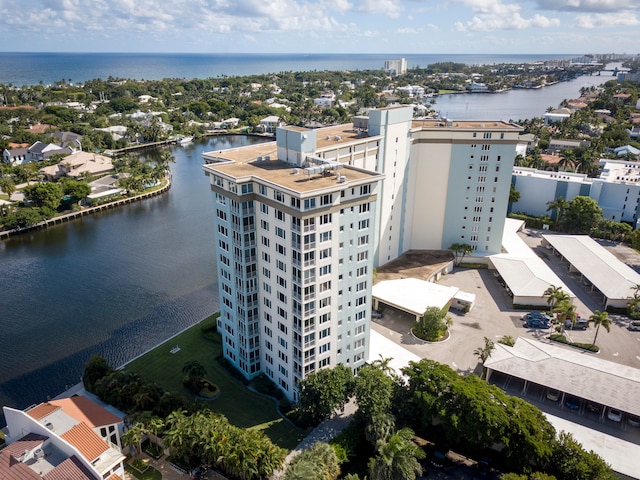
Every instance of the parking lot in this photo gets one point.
(493, 317)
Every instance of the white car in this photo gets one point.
(614, 415)
(553, 394)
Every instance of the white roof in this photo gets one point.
(612, 277)
(381, 347)
(523, 271)
(575, 372)
(413, 295)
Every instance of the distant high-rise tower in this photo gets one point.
(396, 67)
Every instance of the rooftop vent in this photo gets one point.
(337, 138)
(259, 158)
(267, 158)
(342, 179)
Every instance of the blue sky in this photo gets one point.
(321, 26)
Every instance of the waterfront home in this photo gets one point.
(77, 164)
(559, 144)
(557, 115)
(270, 123)
(67, 438)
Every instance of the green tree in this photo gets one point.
(76, 189)
(566, 312)
(483, 353)
(514, 195)
(47, 195)
(555, 295)
(600, 319)
(397, 459)
(373, 391)
(460, 250)
(316, 463)
(558, 206)
(194, 372)
(507, 340)
(322, 392)
(571, 461)
(7, 185)
(133, 437)
(582, 213)
(379, 428)
(95, 369)
(433, 324)
(24, 217)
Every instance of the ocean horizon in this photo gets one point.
(33, 68)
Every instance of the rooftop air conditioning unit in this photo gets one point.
(267, 158)
(259, 158)
(343, 179)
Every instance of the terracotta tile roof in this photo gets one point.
(70, 469)
(88, 443)
(114, 477)
(42, 410)
(11, 469)
(85, 410)
(42, 128)
(28, 442)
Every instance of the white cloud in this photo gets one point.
(490, 15)
(409, 31)
(392, 8)
(587, 5)
(607, 20)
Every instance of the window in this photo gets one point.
(325, 253)
(365, 189)
(265, 241)
(279, 214)
(363, 240)
(325, 236)
(281, 266)
(280, 232)
(281, 249)
(278, 196)
(264, 208)
(364, 208)
(309, 203)
(263, 190)
(326, 199)
(325, 219)
(326, 270)
(363, 224)
(295, 203)
(264, 225)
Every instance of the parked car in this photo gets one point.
(553, 394)
(593, 407)
(633, 420)
(438, 459)
(634, 326)
(572, 404)
(376, 314)
(538, 323)
(614, 415)
(537, 316)
(580, 324)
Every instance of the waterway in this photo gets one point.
(115, 283)
(517, 104)
(124, 280)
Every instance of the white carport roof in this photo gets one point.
(612, 277)
(523, 271)
(413, 295)
(577, 373)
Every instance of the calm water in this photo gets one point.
(32, 68)
(116, 283)
(515, 104)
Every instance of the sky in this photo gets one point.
(321, 26)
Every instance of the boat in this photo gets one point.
(185, 140)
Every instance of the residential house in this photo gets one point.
(271, 123)
(68, 139)
(16, 156)
(557, 145)
(557, 115)
(77, 164)
(53, 441)
(626, 151)
(40, 151)
(325, 100)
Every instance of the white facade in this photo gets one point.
(301, 223)
(396, 67)
(617, 189)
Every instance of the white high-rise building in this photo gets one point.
(396, 67)
(301, 223)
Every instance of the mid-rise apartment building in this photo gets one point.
(301, 223)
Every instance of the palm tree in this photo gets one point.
(460, 250)
(559, 205)
(600, 319)
(194, 372)
(133, 437)
(397, 459)
(566, 311)
(483, 353)
(379, 428)
(555, 295)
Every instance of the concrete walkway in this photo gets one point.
(322, 433)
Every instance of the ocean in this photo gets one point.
(20, 69)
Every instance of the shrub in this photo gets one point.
(585, 346)
(433, 325)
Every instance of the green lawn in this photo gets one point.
(241, 406)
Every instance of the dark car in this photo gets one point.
(538, 316)
(593, 407)
(538, 323)
(572, 404)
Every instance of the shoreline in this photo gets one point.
(67, 217)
